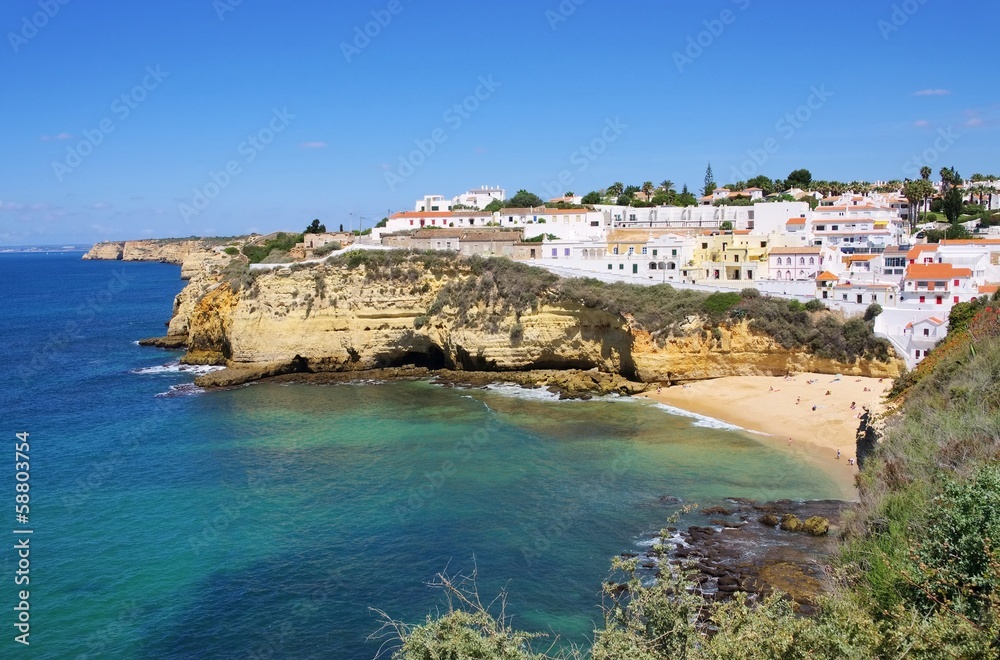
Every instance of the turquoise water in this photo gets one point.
(266, 521)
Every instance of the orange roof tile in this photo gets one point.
(796, 221)
(827, 276)
(917, 250)
(935, 272)
(989, 287)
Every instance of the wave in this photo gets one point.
(703, 421)
(515, 391)
(184, 389)
(177, 368)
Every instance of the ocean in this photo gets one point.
(272, 521)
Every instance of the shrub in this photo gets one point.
(232, 251)
(324, 250)
(814, 305)
(958, 560)
(873, 311)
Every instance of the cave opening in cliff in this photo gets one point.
(432, 358)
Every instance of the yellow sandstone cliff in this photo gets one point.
(325, 318)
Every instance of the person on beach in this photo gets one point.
(838, 454)
(797, 400)
(853, 405)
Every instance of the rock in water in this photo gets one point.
(770, 520)
(790, 523)
(817, 526)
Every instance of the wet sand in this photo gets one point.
(808, 414)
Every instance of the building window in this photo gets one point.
(704, 246)
(631, 251)
(763, 244)
(621, 266)
(654, 252)
(923, 298)
(927, 332)
(956, 282)
(956, 300)
(673, 253)
(566, 252)
(555, 252)
(939, 300)
(611, 267)
(644, 251)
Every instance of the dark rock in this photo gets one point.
(717, 511)
(770, 520)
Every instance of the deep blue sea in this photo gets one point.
(268, 521)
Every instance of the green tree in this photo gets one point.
(800, 179)
(593, 198)
(667, 186)
(726, 225)
(957, 232)
(316, 228)
(925, 173)
(710, 184)
(494, 206)
(616, 189)
(953, 203)
(525, 199)
(647, 189)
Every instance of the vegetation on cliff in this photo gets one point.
(495, 288)
(919, 572)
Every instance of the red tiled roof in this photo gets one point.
(827, 276)
(935, 272)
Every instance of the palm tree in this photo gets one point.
(925, 173)
(647, 189)
(667, 186)
(616, 189)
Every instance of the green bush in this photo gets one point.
(958, 557)
(232, 251)
(282, 242)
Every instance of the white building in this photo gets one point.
(480, 198)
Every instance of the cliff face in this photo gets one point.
(337, 319)
(164, 251)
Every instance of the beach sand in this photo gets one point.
(783, 409)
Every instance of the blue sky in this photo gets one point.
(121, 119)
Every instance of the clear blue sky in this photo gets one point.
(890, 86)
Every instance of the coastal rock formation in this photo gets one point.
(106, 252)
(329, 318)
(167, 251)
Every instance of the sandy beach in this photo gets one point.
(808, 414)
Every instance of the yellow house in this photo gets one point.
(731, 256)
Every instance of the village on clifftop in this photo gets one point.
(846, 245)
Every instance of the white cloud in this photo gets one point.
(933, 92)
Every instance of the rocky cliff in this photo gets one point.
(324, 318)
(161, 250)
